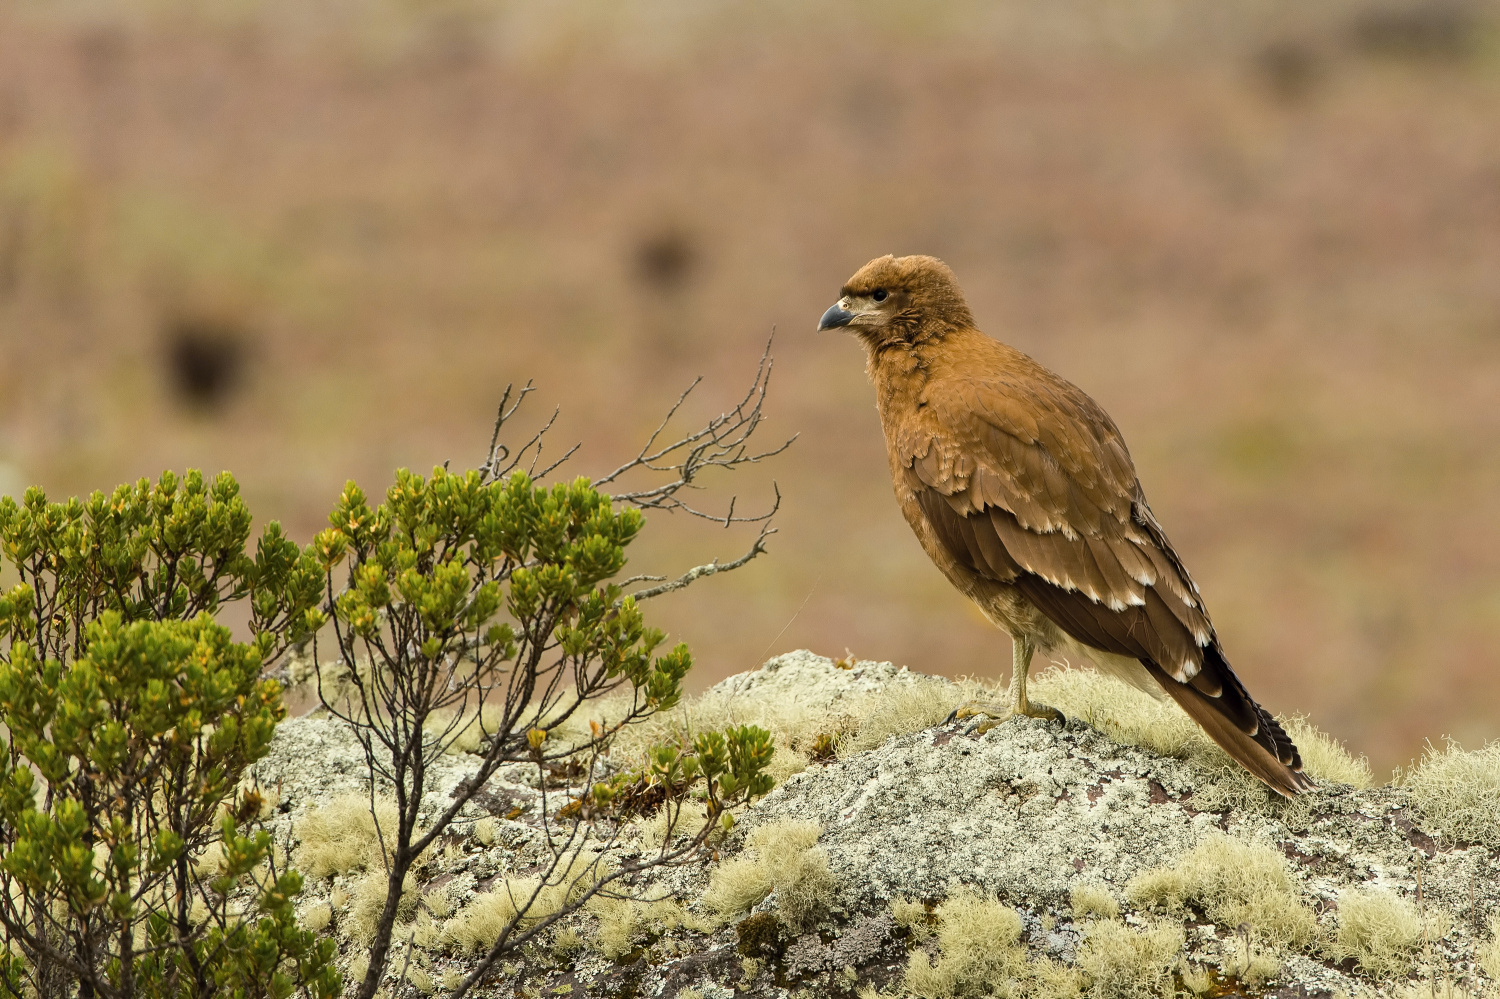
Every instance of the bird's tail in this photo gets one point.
(1242, 728)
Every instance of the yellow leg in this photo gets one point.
(1019, 704)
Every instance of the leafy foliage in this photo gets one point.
(132, 718)
(131, 858)
(462, 593)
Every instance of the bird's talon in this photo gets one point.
(977, 709)
(1045, 713)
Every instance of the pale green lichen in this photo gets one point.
(618, 924)
(1121, 962)
(1133, 718)
(782, 857)
(902, 708)
(1488, 954)
(1247, 961)
(316, 917)
(1379, 929)
(341, 836)
(1197, 980)
(566, 942)
(1459, 792)
(1324, 758)
(359, 963)
(623, 920)
(1093, 900)
(438, 902)
(367, 899)
(479, 924)
(1232, 882)
(421, 980)
(464, 732)
(980, 954)
(522, 901)
(910, 915)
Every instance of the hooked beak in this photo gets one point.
(834, 318)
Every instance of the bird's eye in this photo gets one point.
(879, 295)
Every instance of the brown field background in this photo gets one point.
(309, 242)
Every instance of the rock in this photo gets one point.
(1040, 818)
(804, 677)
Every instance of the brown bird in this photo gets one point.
(1020, 488)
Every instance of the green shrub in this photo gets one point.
(462, 592)
(132, 718)
(477, 616)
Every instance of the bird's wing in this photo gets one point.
(1026, 480)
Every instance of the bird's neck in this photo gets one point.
(900, 370)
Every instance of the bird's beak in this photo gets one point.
(835, 317)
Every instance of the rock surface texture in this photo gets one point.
(1034, 859)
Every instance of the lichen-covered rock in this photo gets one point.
(803, 677)
(928, 834)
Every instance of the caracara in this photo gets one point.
(1019, 487)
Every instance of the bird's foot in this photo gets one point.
(990, 715)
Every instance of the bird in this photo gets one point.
(1021, 490)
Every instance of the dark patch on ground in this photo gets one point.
(1434, 29)
(666, 260)
(1304, 859)
(205, 361)
(1402, 823)
(564, 774)
(759, 936)
(494, 802)
(1290, 69)
(694, 969)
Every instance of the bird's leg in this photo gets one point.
(1019, 704)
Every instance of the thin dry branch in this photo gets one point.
(723, 442)
(500, 461)
(758, 547)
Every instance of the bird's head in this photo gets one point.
(894, 300)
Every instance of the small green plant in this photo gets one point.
(462, 592)
(487, 600)
(131, 718)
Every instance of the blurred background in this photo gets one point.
(309, 242)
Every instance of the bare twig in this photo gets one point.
(499, 455)
(644, 577)
(723, 442)
(758, 547)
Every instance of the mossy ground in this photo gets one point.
(1121, 855)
